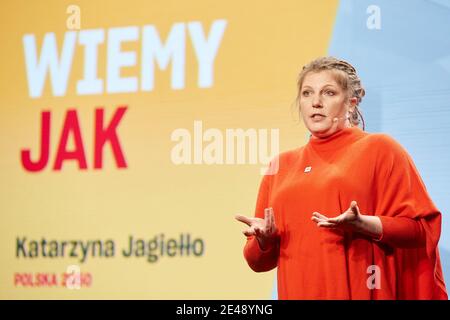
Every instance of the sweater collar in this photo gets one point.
(337, 140)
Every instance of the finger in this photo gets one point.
(266, 218)
(317, 220)
(248, 221)
(271, 221)
(320, 216)
(327, 225)
(274, 225)
(335, 220)
(249, 232)
(354, 207)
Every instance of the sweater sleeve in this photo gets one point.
(261, 260)
(408, 216)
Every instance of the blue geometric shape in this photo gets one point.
(405, 69)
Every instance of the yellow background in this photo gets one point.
(264, 46)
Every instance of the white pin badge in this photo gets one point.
(307, 169)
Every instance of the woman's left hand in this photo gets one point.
(346, 221)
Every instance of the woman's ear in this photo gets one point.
(353, 104)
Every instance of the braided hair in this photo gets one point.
(346, 77)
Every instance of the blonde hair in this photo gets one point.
(345, 75)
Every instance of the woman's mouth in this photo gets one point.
(317, 116)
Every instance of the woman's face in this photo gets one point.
(324, 105)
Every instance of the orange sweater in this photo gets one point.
(320, 263)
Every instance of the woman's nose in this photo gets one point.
(317, 102)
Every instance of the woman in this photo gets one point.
(346, 216)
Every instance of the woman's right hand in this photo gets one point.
(264, 230)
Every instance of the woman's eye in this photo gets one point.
(305, 93)
(329, 93)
